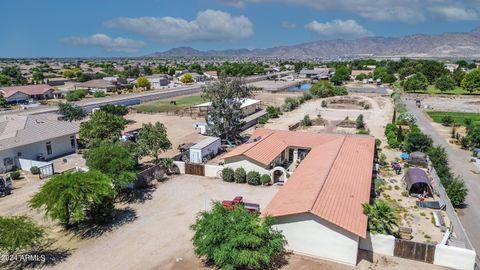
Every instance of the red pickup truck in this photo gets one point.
(251, 207)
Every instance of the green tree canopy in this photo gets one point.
(342, 73)
(417, 141)
(102, 126)
(445, 83)
(323, 89)
(417, 82)
(19, 233)
(471, 81)
(153, 140)
(458, 75)
(457, 191)
(225, 115)
(115, 109)
(113, 160)
(381, 217)
(67, 197)
(236, 239)
(71, 112)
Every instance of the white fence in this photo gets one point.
(213, 170)
(447, 256)
(27, 164)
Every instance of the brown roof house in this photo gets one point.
(326, 179)
(25, 92)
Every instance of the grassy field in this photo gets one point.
(165, 106)
(431, 89)
(458, 117)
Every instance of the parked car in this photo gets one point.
(251, 207)
(5, 186)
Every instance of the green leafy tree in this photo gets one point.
(67, 197)
(342, 73)
(445, 83)
(381, 217)
(187, 78)
(5, 80)
(102, 126)
(236, 239)
(417, 82)
(457, 191)
(3, 101)
(432, 70)
(417, 141)
(38, 77)
(115, 109)
(225, 114)
(19, 233)
(458, 75)
(325, 89)
(115, 161)
(471, 81)
(143, 82)
(360, 124)
(153, 140)
(71, 112)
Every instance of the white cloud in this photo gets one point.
(209, 25)
(338, 29)
(456, 13)
(107, 43)
(288, 25)
(407, 11)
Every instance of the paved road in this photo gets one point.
(142, 97)
(460, 164)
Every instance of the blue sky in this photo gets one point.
(96, 28)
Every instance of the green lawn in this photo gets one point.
(165, 106)
(458, 117)
(431, 89)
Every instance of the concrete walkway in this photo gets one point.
(461, 165)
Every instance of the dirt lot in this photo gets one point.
(274, 99)
(180, 129)
(375, 118)
(275, 85)
(450, 103)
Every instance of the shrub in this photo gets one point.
(306, 121)
(406, 118)
(378, 142)
(390, 128)
(393, 143)
(99, 94)
(265, 179)
(15, 175)
(228, 175)
(457, 191)
(382, 159)
(240, 175)
(307, 96)
(360, 124)
(253, 178)
(34, 170)
(273, 112)
(76, 95)
(363, 132)
(447, 120)
(263, 120)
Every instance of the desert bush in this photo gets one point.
(15, 175)
(253, 178)
(240, 175)
(34, 170)
(228, 175)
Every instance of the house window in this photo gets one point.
(19, 154)
(49, 148)
(72, 141)
(7, 161)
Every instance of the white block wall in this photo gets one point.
(213, 170)
(454, 257)
(378, 243)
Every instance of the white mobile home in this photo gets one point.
(208, 147)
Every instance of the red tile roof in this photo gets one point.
(31, 90)
(332, 182)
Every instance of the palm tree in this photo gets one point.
(381, 217)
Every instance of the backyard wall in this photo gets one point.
(454, 257)
(181, 166)
(213, 170)
(378, 243)
(27, 164)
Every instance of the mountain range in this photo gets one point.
(454, 44)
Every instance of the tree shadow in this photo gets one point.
(137, 195)
(88, 229)
(281, 260)
(41, 256)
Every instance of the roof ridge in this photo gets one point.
(344, 138)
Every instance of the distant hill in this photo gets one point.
(459, 44)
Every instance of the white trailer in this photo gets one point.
(208, 147)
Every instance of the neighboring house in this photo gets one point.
(58, 81)
(212, 75)
(195, 76)
(19, 94)
(115, 80)
(35, 137)
(451, 67)
(316, 73)
(97, 85)
(156, 81)
(327, 178)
